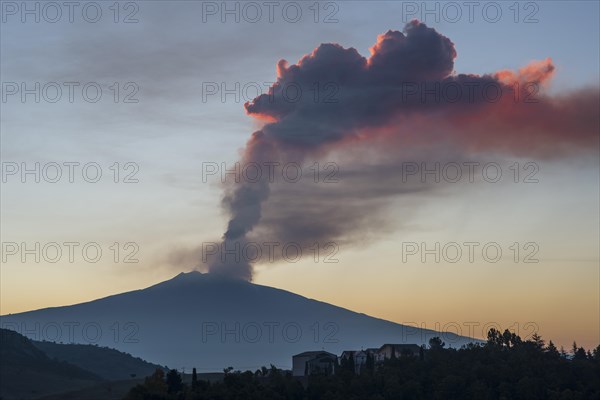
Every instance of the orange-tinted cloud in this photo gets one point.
(404, 99)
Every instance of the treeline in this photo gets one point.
(506, 367)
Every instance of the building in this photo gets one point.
(359, 358)
(388, 351)
(314, 363)
(322, 362)
(374, 352)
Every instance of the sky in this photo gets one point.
(163, 120)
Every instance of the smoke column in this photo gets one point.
(405, 94)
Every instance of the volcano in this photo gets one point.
(212, 322)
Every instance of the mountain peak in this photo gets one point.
(189, 275)
(202, 281)
(197, 276)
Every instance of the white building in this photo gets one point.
(314, 362)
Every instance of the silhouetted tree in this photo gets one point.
(154, 387)
(551, 349)
(538, 341)
(494, 338)
(579, 352)
(174, 383)
(597, 353)
(510, 339)
(435, 343)
(194, 379)
(156, 381)
(562, 352)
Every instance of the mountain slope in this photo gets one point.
(210, 322)
(109, 364)
(26, 372)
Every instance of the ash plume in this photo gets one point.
(405, 100)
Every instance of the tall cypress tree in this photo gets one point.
(194, 379)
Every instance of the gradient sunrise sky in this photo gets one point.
(171, 131)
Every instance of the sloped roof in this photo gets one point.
(402, 346)
(314, 353)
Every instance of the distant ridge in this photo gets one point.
(26, 372)
(30, 369)
(109, 364)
